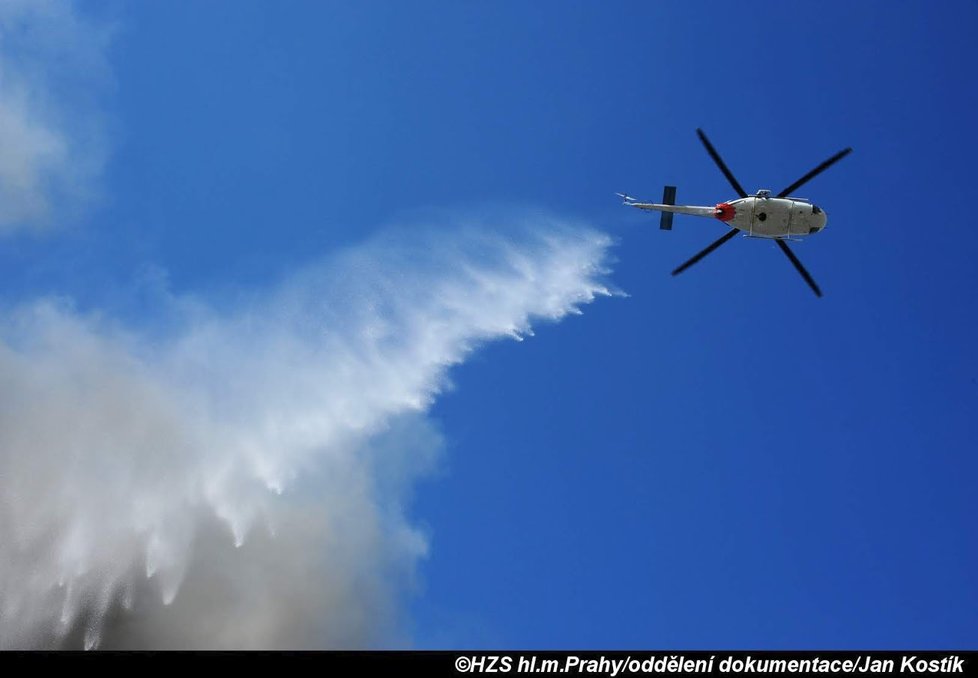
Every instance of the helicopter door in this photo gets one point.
(799, 222)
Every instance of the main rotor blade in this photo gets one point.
(801, 269)
(722, 165)
(724, 238)
(815, 172)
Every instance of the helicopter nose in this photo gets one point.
(819, 217)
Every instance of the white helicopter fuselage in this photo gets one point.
(760, 216)
(767, 217)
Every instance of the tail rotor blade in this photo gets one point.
(724, 238)
(722, 165)
(801, 269)
(815, 172)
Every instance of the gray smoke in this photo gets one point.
(240, 479)
(230, 474)
(53, 71)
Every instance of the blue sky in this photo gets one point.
(716, 460)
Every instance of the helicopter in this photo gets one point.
(778, 217)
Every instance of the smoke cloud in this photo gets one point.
(240, 476)
(237, 473)
(52, 72)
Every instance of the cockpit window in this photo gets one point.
(816, 209)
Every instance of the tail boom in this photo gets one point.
(668, 207)
(694, 210)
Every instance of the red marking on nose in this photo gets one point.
(725, 211)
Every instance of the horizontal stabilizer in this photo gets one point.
(668, 198)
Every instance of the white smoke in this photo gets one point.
(240, 477)
(52, 72)
(239, 474)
